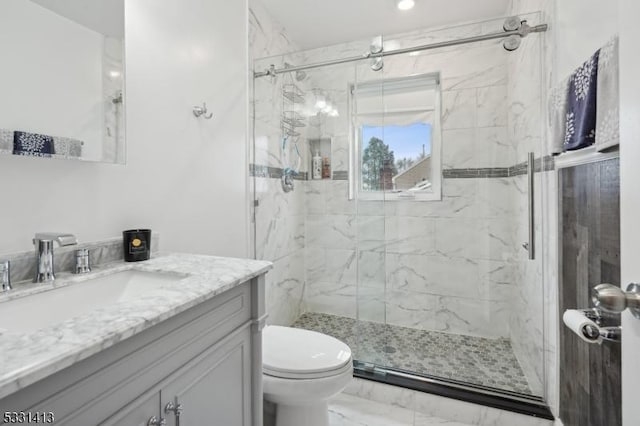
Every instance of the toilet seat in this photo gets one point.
(292, 353)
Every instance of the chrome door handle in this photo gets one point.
(611, 298)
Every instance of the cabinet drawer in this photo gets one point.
(94, 388)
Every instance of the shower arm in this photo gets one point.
(523, 31)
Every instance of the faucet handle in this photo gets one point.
(5, 275)
(61, 238)
(83, 261)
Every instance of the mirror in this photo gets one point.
(62, 79)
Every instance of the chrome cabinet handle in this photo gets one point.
(611, 298)
(154, 421)
(176, 409)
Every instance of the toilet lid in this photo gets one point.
(295, 353)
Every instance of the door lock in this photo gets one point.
(611, 298)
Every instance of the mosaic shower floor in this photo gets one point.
(469, 359)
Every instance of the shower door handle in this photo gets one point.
(530, 245)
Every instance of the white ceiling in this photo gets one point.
(103, 16)
(316, 23)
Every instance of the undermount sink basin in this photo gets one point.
(30, 313)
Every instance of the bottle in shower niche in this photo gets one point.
(316, 166)
(326, 168)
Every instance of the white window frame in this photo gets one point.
(355, 150)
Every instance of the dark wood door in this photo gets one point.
(589, 196)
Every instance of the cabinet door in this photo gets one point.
(214, 389)
(138, 412)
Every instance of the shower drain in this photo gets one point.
(389, 349)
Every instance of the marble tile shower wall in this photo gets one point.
(279, 227)
(445, 265)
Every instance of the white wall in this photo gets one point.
(51, 82)
(184, 178)
(582, 27)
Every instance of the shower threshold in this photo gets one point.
(469, 368)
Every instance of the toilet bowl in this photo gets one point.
(301, 370)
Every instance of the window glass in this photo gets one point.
(398, 137)
(396, 157)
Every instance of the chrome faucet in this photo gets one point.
(44, 253)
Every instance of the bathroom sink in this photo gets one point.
(30, 313)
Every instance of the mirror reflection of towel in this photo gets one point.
(32, 144)
(67, 147)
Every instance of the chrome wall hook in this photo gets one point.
(202, 111)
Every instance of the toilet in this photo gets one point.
(302, 369)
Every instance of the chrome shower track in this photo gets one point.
(521, 32)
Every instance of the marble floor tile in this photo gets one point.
(425, 420)
(348, 410)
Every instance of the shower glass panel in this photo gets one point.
(369, 157)
(406, 242)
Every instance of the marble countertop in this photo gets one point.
(28, 358)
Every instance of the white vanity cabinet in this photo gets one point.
(208, 359)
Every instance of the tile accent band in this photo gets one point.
(546, 163)
(257, 170)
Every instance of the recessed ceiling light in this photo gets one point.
(405, 4)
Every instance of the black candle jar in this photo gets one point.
(137, 244)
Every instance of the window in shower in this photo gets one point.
(397, 138)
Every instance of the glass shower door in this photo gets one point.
(370, 159)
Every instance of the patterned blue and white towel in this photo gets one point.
(32, 144)
(580, 127)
